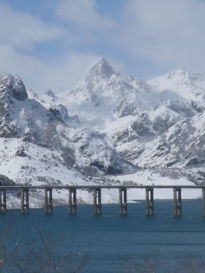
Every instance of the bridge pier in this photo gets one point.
(203, 201)
(72, 202)
(149, 201)
(123, 200)
(48, 205)
(24, 200)
(2, 200)
(177, 197)
(97, 209)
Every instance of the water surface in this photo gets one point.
(113, 241)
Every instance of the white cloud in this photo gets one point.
(65, 72)
(56, 74)
(22, 30)
(164, 32)
(19, 30)
(84, 15)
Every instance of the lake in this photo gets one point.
(114, 242)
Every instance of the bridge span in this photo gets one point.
(97, 190)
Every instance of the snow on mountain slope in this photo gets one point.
(30, 164)
(189, 85)
(52, 127)
(135, 115)
(101, 97)
(17, 110)
(147, 178)
(101, 100)
(108, 124)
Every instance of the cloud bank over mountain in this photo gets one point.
(54, 46)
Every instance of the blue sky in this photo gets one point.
(53, 43)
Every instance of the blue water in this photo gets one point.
(112, 241)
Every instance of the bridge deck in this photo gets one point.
(87, 187)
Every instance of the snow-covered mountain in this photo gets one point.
(108, 124)
(151, 124)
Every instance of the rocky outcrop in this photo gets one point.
(12, 86)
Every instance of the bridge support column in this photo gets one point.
(97, 209)
(48, 205)
(2, 200)
(177, 197)
(203, 201)
(24, 201)
(72, 202)
(149, 201)
(123, 200)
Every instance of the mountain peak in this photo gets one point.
(184, 75)
(102, 69)
(50, 93)
(14, 86)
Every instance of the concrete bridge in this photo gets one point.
(97, 192)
